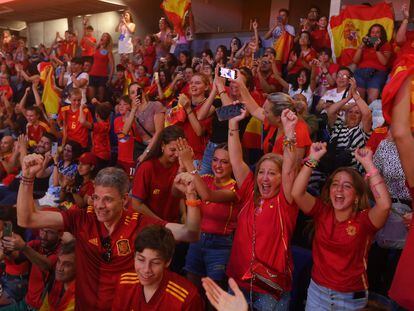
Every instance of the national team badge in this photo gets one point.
(123, 247)
(351, 230)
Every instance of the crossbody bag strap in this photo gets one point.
(142, 126)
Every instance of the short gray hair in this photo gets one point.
(113, 177)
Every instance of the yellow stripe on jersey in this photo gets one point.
(177, 291)
(178, 286)
(129, 282)
(175, 295)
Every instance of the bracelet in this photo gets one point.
(372, 173)
(234, 130)
(310, 162)
(147, 150)
(223, 91)
(26, 182)
(193, 203)
(193, 172)
(188, 113)
(289, 143)
(28, 179)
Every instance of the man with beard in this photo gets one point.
(61, 292)
(42, 254)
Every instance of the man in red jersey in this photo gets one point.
(104, 233)
(73, 128)
(153, 286)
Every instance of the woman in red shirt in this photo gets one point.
(261, 245)
(301, 55)
(372, 59)
(344, 229)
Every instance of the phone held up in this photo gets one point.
(8, 229)
(228, 73)
(227, 112)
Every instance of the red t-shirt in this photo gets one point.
(87, 188)
(74, 130)
(303, 139)
(152, 186)
(198, 143)
(100, 140)
(38, 277)
(88, 50)
(70, 48)
(174, 293)
(376, 137)
(320, 39)
(35, 133)
(126, 142)
(310, 55)
(270, 80)
(97, 279)
(370, 60)
(219, 218)
(270, 249)
(14, 268)
(8, 90)
(55, 301)
(347, 57)
(149, 58)
(340, 249)
(144, 82)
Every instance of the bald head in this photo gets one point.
(6, 144)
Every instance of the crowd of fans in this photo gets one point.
(144, 193)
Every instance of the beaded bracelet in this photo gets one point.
(311, 162)
(372, 173)
(289, 143)
(193, 203)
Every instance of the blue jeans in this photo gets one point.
(266, 302)
(209, 256)
(15, 286)
(321, 298)
(207, 158)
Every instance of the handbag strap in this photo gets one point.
(142, 126)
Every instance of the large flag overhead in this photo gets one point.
(51, 94)
(353, 23)
(175, 11)
(282, 46)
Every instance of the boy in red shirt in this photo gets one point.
(88, 42)
(153, 286)
(69, 118)
(35, 128)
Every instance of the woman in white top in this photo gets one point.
(126, 27)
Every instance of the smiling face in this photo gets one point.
(342, 79)
(304, 39)
(375, 32)
(150, 267)
(302, 78)
(353, 116)
(342, 192)
(268, 179)
(66, 268)
(108, 203)
(170, 152)
(220, 164)
(197, 86)
(123, 107)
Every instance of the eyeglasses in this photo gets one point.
(106, 244)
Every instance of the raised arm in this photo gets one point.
(27, 215)
(332, 110)
(184, 101)
(365, 111)
(278, 77)
(401, 36)
(207, 109)
(379, 213)
(401, 129)
(82, 117)
(246, 98)
(240, 168)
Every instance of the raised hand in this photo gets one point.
(32, 164)
(13, 243)
(255, 25)
(184, 101)
(317, 150)
(289, 121)
(364, 156)
(223, 301)
(240, 116)
(405, 11)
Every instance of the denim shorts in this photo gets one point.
(15, 286)
(97, 81)
(321, 298)
(209, 256)
(266, 302)
(369, 78)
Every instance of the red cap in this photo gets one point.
(88, 158)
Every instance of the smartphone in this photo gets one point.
(228, 73)
(156, 76)
(139, 93)
(8, 229)
(54, 148)
(228, 112)
(279, 19)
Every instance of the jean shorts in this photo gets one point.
(322, 298)
(370, 78)
(97, 81)
(209, 256)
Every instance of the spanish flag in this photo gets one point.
(282, 46)
(175, 11)
(51, 94)
(353, 23)
(402, 70)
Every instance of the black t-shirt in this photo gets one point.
(220, 129)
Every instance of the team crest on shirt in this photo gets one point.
(351, 230)
(156, 191)
(123, 247)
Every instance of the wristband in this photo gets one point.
(233, 130)
(193, 172)
(193, 203)
(310, 162)
(372, 173)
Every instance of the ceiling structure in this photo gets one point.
(42, 10)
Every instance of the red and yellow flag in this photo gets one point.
(175, 11)
(51, 94)
(402, 70)
(282, 46)
(353, 23)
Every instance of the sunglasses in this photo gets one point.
(106, 244)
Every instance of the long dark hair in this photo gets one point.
(295, 83)
(296, 48)
(168, 134)
(383, 36)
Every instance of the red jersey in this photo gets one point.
(13, 268)
(270, 249)
(96, 279)
(174, 293)
(35, 133)
(74, 130)
(149, 58)
(8, 90)
(340, 249)
(320, 39)
(219, 218)
(38, 277)
(275, 145)
(101, 146)
(155, 192)
(70, 48)
(143, 82)
(55, 301)
(370, 60)
(198, 143)
(87, 188)
(126, 142)
(270, 80)
(310, 55)
(87, 49)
